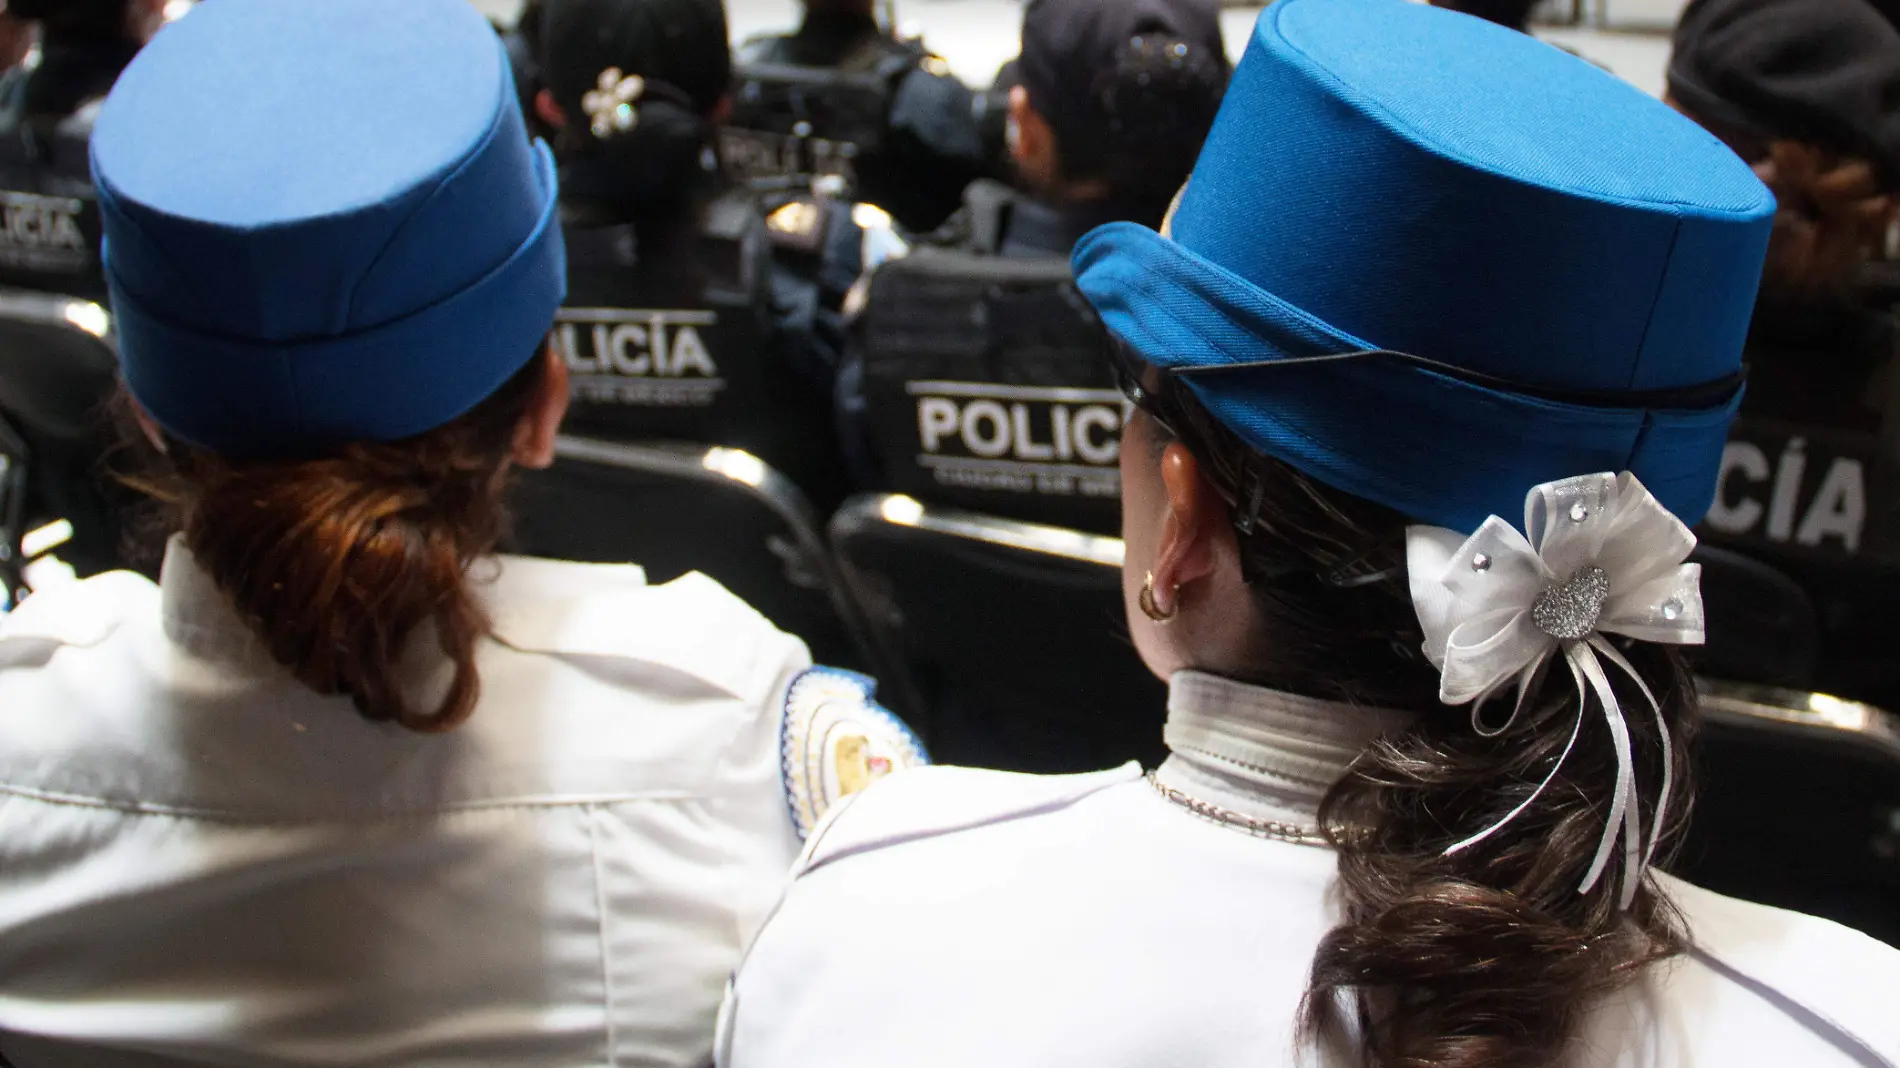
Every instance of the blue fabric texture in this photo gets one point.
(324, 222)
(1391, 175)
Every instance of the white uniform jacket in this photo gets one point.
(202, 862)
(954, 918)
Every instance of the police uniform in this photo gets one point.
(974, 376)
(270, 878)
(1420, 345)
(1806, 486)
(958, 917)
(49, 241)
(205, 860)
(841, 98)
(729, 335)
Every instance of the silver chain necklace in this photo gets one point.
(1259, 828)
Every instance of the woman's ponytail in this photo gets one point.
(341, 564)
(1487, 957)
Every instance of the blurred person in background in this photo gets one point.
(636, 92)
(344, 786)
(49, 241)
(17, 37)
(1430, 280)
(1113, 100)
(843, 97)
(1808, 91)
(45, 123)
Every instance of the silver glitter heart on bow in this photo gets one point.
(611, 103)
(1598, 555)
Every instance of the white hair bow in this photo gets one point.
(1598, 556)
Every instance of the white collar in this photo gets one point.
(516, 590)
(1261, 752)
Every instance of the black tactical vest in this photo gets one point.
(792, 123)
(49, 215)
(1810, 486)
(684, 349)
(985, 386)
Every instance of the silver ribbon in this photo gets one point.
(1599, 555)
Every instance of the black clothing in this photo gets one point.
(51, 236)
(843, 98)
(846, 40)
(684, 325)
(1811, 486)
(976, 377)
(1826, 72)
(50, 240)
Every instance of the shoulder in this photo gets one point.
(82, 615)
(1834, 981)
(692, 626)
(835, 740)
(939, 801)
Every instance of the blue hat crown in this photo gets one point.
(1386, 175)
(325, 222)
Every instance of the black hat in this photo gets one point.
(1085, 64)
(1826, 72)
(679, 48)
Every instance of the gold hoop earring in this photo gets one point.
(1148, 606)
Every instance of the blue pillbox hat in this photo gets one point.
(1387, 175)
(324, 222)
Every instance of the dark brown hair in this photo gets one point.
(341, 561)
(1488, 958)
(1832, 211)
(1831, 216)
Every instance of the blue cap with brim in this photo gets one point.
(324, 222)
(1386, 175)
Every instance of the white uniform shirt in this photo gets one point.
(959, 918)
(203, 862)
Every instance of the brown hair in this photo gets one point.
(1832, 211)
(338, 562)
(1831, 217)
(1488, 958)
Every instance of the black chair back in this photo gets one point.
(1799, 805)
(1762, 624)
(674, 508)
(1013, 633)
(58, 367)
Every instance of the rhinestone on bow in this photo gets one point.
(611, 104)
(1569, 610)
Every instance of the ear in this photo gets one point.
(548, 111)
(721, 112)
(1033, 141)
(541, 423)
(1195, 527)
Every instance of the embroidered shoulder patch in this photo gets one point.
(835, 740)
